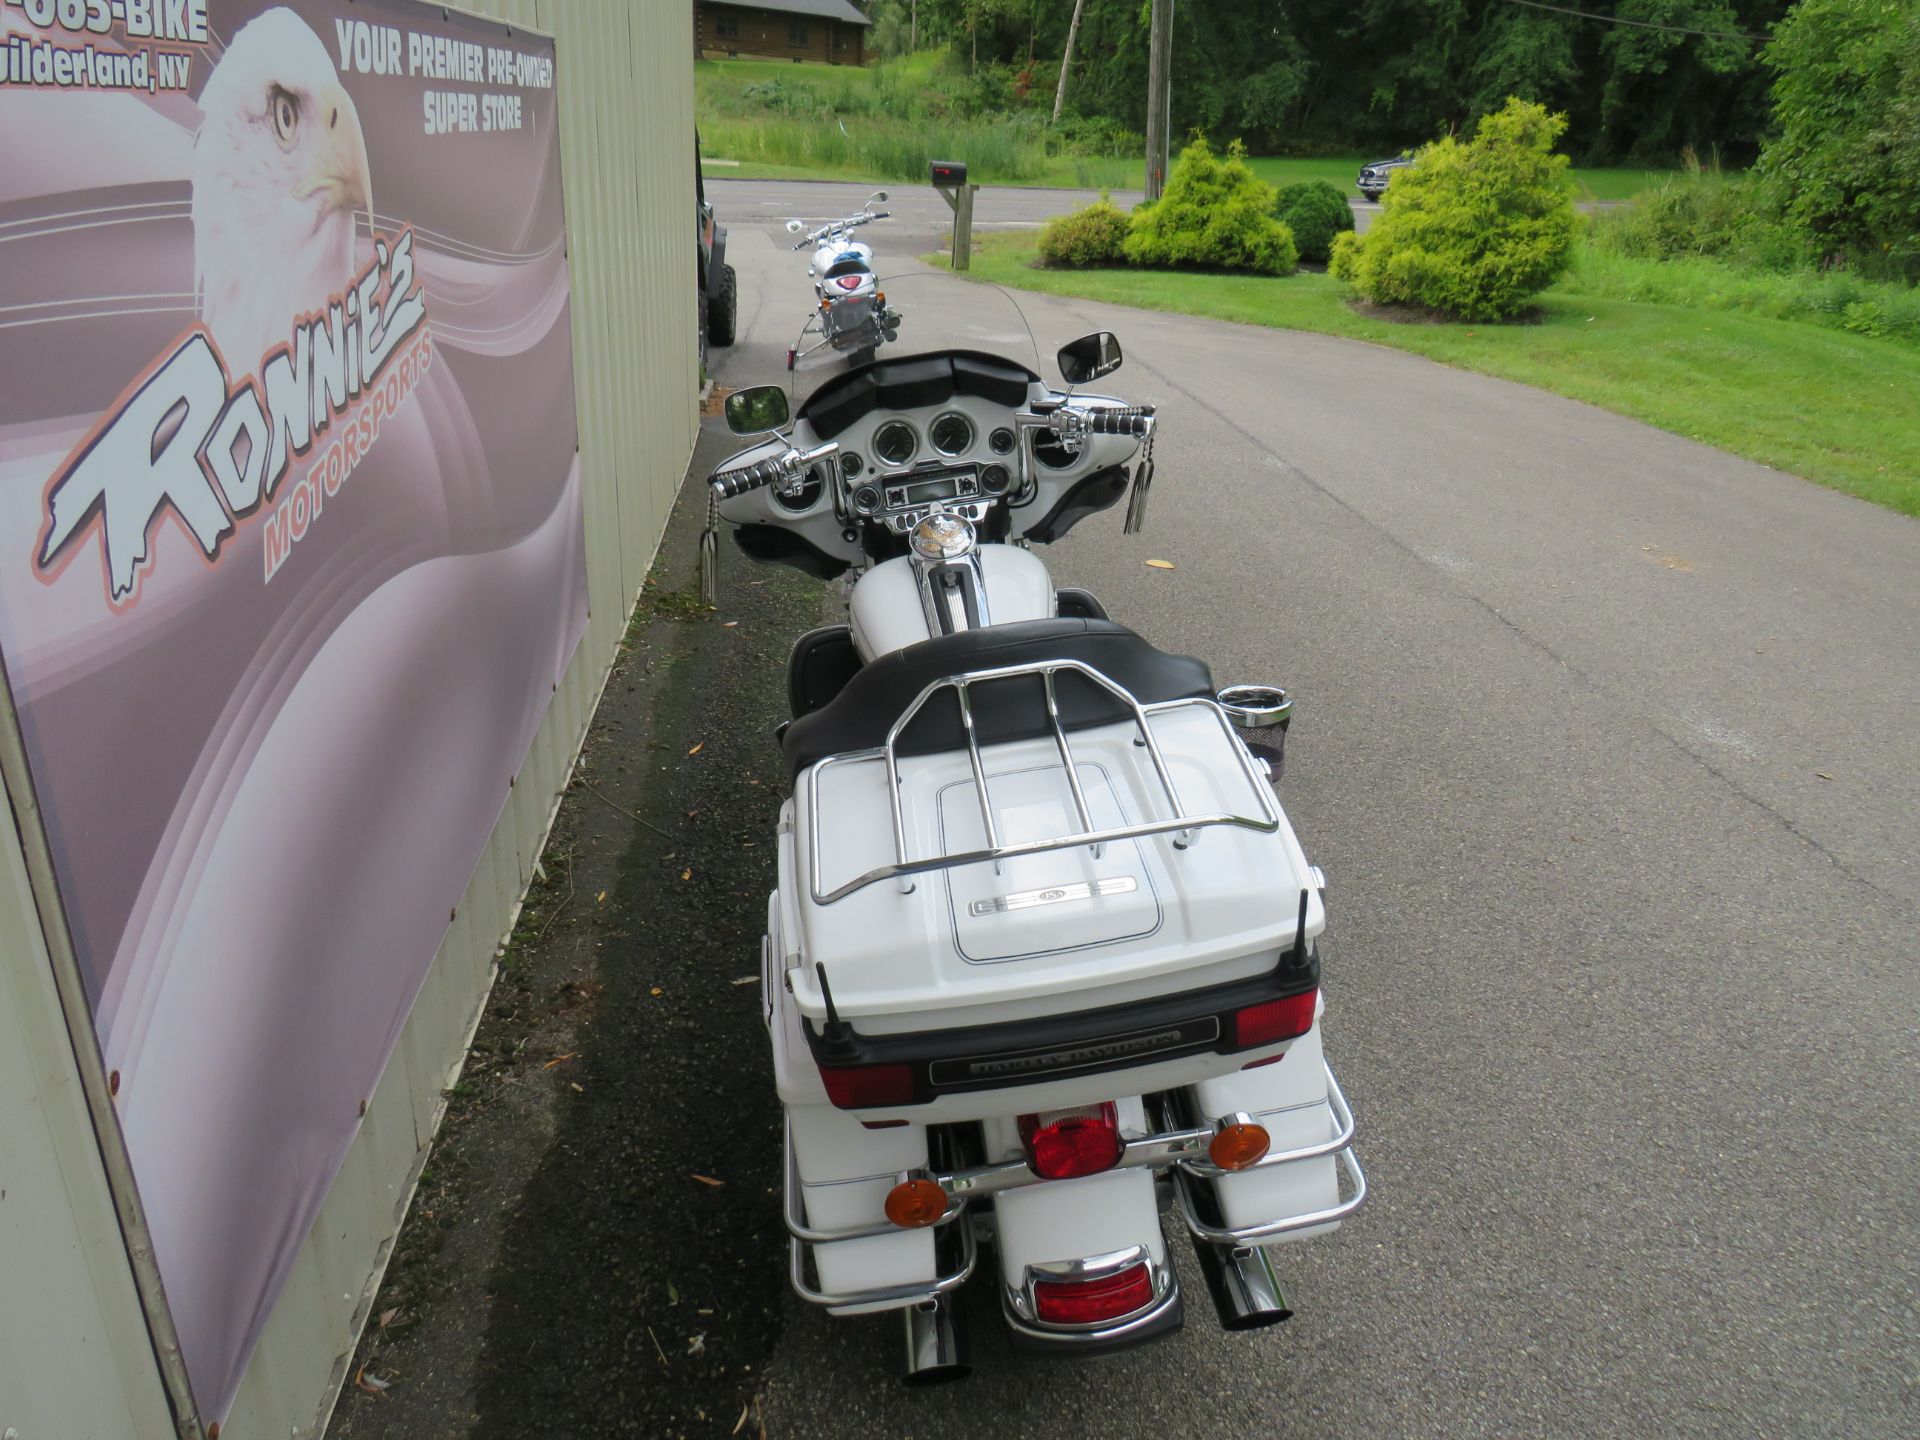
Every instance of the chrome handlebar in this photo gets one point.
(835, 227)
(774, 469)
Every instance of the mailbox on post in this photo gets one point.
(950, 179)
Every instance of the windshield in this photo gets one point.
(937, 311)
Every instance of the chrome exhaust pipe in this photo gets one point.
(1246, 1292)
(936, 1342)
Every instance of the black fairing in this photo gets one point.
(1099, 491)
(913, 383)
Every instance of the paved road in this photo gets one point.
(1606, 743)
(917, 210)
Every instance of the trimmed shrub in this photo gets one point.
(1216, 213)
(1472, 230)
(1316, 212)
(1093, 236)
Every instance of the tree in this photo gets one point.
(1066, 59)
(1847, 102)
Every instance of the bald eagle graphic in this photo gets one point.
(279, 175)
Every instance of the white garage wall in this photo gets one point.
(76, 1354)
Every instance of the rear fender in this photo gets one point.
(1071, 1219)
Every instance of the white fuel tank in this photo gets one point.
(827, 254)
(885, 612)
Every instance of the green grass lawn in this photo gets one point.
(1823, 403)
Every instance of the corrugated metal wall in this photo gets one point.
(626, 106)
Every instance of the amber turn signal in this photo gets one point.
(916, 1204)
(1238, 1145)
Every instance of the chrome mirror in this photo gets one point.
(1090, 357)
(794, 227)
(757, 410)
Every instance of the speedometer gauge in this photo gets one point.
(952, 433)
(895, 442)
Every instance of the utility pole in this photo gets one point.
(1073, 33)
(913, 25)
(1160, 41)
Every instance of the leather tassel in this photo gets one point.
(1137, 501)
(710, 556)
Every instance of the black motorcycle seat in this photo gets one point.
(848, 265)
(874, 698)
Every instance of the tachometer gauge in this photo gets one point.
(952, 433)
(895, 442)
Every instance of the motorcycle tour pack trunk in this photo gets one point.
(1044, 955)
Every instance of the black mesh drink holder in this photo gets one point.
(1261, 713)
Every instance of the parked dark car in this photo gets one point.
(1373, 178)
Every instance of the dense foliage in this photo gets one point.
(1096, 235)
(1215, 212)
(1705, 215)
(1846, 163)
(1315, 212)
(1331, 75)
(1472, 230)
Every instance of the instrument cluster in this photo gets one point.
(896, 466)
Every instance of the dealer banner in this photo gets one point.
(291, 557)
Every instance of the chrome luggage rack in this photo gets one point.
(1181, 824)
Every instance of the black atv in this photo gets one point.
(719, 293)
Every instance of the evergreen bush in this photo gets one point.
(1315, 211)
(1216, 213)
(1474, 230)
(1096, 235)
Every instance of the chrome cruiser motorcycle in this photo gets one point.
(852, 314)
(1044, 959)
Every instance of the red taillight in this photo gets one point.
(1274, 1021)
(862, 1087)
(1085, 1302)
(1066, 1144)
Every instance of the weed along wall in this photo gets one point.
(350, 381)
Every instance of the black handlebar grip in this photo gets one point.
(754, 477)
(1122, 420)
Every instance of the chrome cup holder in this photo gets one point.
(1261, 713)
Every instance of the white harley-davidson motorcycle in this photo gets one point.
(851, 312)
(1044, 956)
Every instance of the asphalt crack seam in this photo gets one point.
(1785, 823)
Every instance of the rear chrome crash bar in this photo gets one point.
(1272, 1229)
(1180, 824)
(886, 1297)
(1182, 1150)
